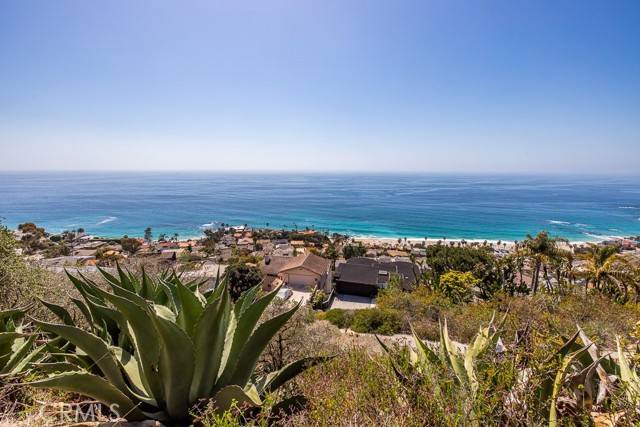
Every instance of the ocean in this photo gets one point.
(493, 207)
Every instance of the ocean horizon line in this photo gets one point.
(445, 173)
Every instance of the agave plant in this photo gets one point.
(16, 348)
(581, 380)
(628, 375)
(462, 362)
(157, 347)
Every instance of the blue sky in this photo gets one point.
(429, 86)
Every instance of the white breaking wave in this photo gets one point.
(209, 224)
(107, 220)
(553, 221)
(597, 237)
(628, 207)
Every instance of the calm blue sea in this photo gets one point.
(435, 206)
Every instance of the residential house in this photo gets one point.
(302, 273)
(366, 276)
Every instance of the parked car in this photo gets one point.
(284, 293)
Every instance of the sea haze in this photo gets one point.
(491, 207)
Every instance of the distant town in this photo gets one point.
(329, 271)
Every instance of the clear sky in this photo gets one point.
(431, 86)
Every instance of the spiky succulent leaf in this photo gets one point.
(59, 311)
(175, 366)
(628, 375)
(452, 354)
(209, 337)
(95, 348)
(558, 382)
(276, 379)
(96, 387)
(259, 339)
(231, 395)
(22, 356)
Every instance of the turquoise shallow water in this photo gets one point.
(474, 207)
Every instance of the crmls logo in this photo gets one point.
(74, 413)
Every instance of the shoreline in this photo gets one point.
(373, 240)
(391, 240)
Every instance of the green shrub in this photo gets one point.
(457, 286)
(376, 321)
(339, 317)
(318, 298)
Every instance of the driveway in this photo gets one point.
(300, 296)
(352, 302)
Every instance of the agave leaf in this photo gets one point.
(209, 337)
(425, 354)
(7, 341)
(230, 395)
(452, 355)
(217, 291)
(144, 338)
(255, 345)
(95, 387)
(146, 287)
(9, 337)
(109, 277)
(95, 348)
(21, 356)
(568, 346)
(278, 378)
(14, 313)
(131, 367)
(245, 300)
(56, 367)
(582, 385)
(84, 309)
(628, 376)
(401, 377)
(59, 311)
(171, 294)
(242, 324)
(483, 340)
(78, 284)
(114, 322)
(164, 312)
(192, 308)
(125, 280)
(593, 353)
(175, 367)
(567, 361)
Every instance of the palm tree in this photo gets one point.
(542, 250)
(607, 271)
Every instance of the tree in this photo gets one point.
(542, 250)
(352, 251)
(331, 252)
(607, 271)
(130, 245)
(211, 239)
(241, 278)
(148, 236)
(457, 286)
(478, 261)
